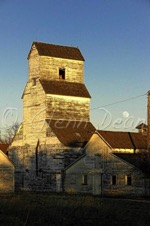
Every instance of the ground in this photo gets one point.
(72, 210)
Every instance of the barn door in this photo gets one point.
(96, 184)
(58, 183)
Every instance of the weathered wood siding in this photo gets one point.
(100, 179)
(33, 172)
(100, 165)
(6, 174)
(49, 69)
(97, 146)
(73, 177)
(34, 113)
(46, 67)
(37, 168)
(38, 155)
(67, 108)
(114, 166)
(33, 64)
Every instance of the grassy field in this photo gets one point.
(52, 209)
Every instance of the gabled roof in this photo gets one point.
(74, 162)
(65, 88)
(67, 52)
(139, 160)
(142, 126)
(4, 147)
(72, 133)
(124, 140)
(8, 160)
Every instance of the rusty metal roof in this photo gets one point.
(65, 88)
(4, 147)
(139, 160)
(72, 133)
(124, 140)
(59, 51)
(142, 126)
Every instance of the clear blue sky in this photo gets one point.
(113, 35)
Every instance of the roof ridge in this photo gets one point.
(123, 140)
(45, 43)
(111, 131)
(57, 51)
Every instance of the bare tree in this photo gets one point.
(8, 134)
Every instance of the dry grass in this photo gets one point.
(56, 209)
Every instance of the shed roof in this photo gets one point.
(139, 160)
(4, 147)
(72, 133)
(65, 88)
(59, 51)
(124, 140)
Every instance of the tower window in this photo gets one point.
(61, 73)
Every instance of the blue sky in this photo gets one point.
(113, 36)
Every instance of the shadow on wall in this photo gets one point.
(41, 169)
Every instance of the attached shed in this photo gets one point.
(111, 176)
(6, 174)
(104, 172)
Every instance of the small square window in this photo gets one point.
(85, 179)
(128, 180)
(61, 73)
(114, 180)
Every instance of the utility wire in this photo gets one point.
(118, 102)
